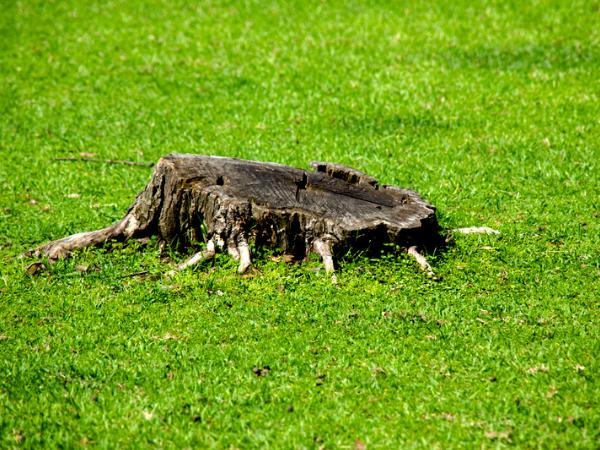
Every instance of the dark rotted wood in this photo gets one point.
(276, 205)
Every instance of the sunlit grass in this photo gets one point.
(488, 109)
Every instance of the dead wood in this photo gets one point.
(228, 202)
(108, 161)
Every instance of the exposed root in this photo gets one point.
(233, 251)
(61, 248)
(323, 247)
(244, 252)
(475, 230)
(162, 247)
(412, 251)
(208, 253)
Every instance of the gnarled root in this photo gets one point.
(244, 252)
(208, 253)
(420, 259)
(323, 247)
(61, 248)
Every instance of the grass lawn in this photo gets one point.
(491, 110)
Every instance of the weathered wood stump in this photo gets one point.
(226, 202)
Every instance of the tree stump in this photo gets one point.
(226, 202)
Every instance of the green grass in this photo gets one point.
(489, 109)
